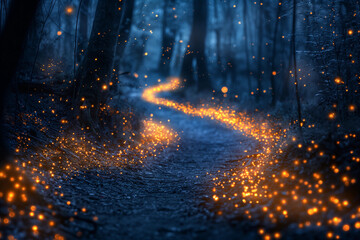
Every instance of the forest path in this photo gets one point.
(163, 199)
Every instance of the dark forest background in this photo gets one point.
(71, 66)
(290, 55)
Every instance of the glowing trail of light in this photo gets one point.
(286, 193)
(251, 174)
(237, 121)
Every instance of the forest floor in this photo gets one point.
(163, 199)
(197, 171)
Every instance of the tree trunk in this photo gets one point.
(124, 33)
(93, 76)
(259, 52)
(83, 29)
(218, 36)
(247, 54)
(196, 50)
(229, 68)
(12, 40)
(141, 51)
(168, 39)
(273, 57)
(68, 38)
(295, 69)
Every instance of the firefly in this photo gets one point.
(338, 80)
(352, 108)
(69, 10)
(331, 115)
(224, 89)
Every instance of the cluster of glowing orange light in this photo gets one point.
(237, 121)
(66, 156)
(286, 196)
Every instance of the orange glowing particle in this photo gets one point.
(346, 227)
(104, 87)
(267, 237)
(215, 197)
(350, 32)
(68, 202)
(352, 108)
(277, 235)
(10, 196)
(59, 33)
(274, 73)
(331, 115)
(338, 80)
(224, 89)
(336, 221)
(69, 10)
(357, 225)
(34, 228)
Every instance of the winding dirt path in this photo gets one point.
(164, 199)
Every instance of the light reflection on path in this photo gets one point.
(232, 119)
(251, 174)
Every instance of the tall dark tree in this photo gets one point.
(68, 34)
(141, 41)
(273, 56)
(94, 73)
(83, 29)
(217, 29)
(260, 52)
(12, 41)
(124, 33)
(293, 49)
(196, 49)
(246, 46)
(168, 37)
(229, 42)
(40, 36)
